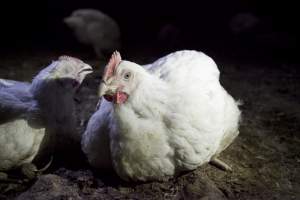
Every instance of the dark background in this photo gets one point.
(260, 67)
(203, 25)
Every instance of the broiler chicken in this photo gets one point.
(93, 27)
(162, 119)
(35, 115)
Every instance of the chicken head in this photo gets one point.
(119, 79)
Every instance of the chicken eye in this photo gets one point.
(127, 76)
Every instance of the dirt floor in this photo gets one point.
(265, 157)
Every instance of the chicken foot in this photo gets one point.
(4, 178)
(31, 172)
(220, 164)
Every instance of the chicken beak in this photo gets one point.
(107, 91)
(112, 94)
(86, 70)
(68, 20)
(102, 89)
(83, 72)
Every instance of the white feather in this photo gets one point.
(19, 143)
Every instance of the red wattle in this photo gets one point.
(121, 97)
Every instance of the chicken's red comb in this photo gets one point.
(114, 61)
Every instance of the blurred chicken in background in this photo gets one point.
(92, 27)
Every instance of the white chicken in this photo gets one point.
(162, 119)
(38, 115)
(92, 27)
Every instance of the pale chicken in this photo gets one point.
(93, 27)
(38, 115)
(162, 119)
